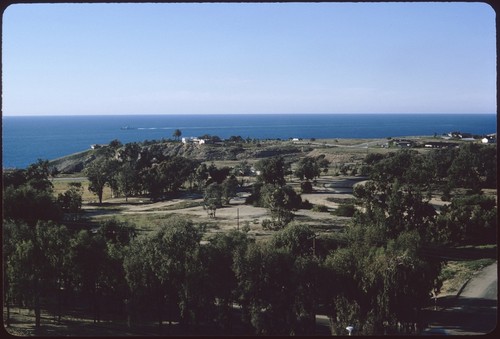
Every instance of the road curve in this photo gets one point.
(472, 312)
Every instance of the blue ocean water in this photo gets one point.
(26, 139)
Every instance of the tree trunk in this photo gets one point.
(37, 311)
(7, 305)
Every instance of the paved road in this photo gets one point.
(472, 312)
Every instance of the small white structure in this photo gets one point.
(349, 329)
(192, 140)
(489, 140)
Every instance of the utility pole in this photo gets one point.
(238, 219)
(313, 237)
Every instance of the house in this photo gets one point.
(192, 140)
(402, 143)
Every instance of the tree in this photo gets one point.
(229, 188)
(177, 134)
(37, 176)
(71, 200)
(115, 144)
(270, 285)
(296, 239)
(264, 277)
(29, 204)
(37, 263)
(272, 171)
(309, 168)
(212, 199)
(167, 266)
(201, 175)
(222, 251)
(126, 179)
(89, 257)
(469, 220)
(99, 174)
(280, 201)
(218, 175)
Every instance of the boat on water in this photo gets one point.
(126, 127)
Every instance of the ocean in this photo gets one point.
(27, 139)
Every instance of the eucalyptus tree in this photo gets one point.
(469, 220)
(222, 251)
(266, 289)
(37, 264)
(89, 257)
(168, 267)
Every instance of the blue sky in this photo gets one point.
(248, 58)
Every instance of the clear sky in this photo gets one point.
(249, 58)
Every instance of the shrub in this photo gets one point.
(306, 187)
(345, 210)
(306, 205)
(320, 208)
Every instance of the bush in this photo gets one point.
(306, 187)
(320, 208)
(345, 210)
(306, 205)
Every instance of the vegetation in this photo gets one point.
(377, 274)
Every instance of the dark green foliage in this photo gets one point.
(236, 138)
(469, 220)
(320, 208)
(310, 168)
(280, 201)
(168, 270)
(36, 263)
(99, 174)
(295, 238)
(345, 210)
(276, 290)
(229, 188)
(116, 232)
(212, 199)
(27, 195)
(167, 176)
(218, 175)
(71, 200)
(177, 134)
(306, 187)
(29, 204)
(272, 171)
(221, 252)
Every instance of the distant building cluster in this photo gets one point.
(489, 139)
(458, 136)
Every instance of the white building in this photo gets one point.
(192, 140)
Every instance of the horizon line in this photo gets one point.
(274, 113)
